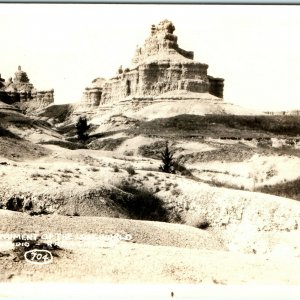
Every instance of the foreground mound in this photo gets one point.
(157, 252)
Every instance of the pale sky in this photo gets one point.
(256, 49)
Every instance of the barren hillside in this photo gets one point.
(211, 208)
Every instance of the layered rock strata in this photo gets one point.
(159, 67)
(92, 95)
(20, 92)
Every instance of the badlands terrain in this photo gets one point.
(228, 215)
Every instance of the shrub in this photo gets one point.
(202, 225)
(271, 172)
(130, 170)
(82, 127)
(65, 176)
(116, 169)
(128, 153)
(176, 192)
(182, 169)
(167, 159)
(36, 175)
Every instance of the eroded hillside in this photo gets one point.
(57, 183)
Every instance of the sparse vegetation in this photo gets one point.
(153, 150)
(65, 144)
(66, 176)
(108, 144)
(214, 182)
(36, 175)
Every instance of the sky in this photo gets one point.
(256, 49)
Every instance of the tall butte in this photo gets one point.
(160, 69)
(22, 94)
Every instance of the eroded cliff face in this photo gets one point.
(162, 41)
(92, 94)
(160, 66)
(20, 92)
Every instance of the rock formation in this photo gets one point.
(1, 82)
(20, 92)
(159, 67)
(93, 94)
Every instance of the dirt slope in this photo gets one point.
(163, 253)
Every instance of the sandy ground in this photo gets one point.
(157, 253)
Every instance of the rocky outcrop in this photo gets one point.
(92, 95)
(1, 82)
(159, 67)
(20, 92)
(161, 41)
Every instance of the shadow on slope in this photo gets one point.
(14, 148)
(234, 126)
(15, 120)
(58, 113)
(6, 133)
(289, 189)
(121, 201)
(19, 120)
(140, 204)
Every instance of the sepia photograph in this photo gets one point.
(149, 144)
